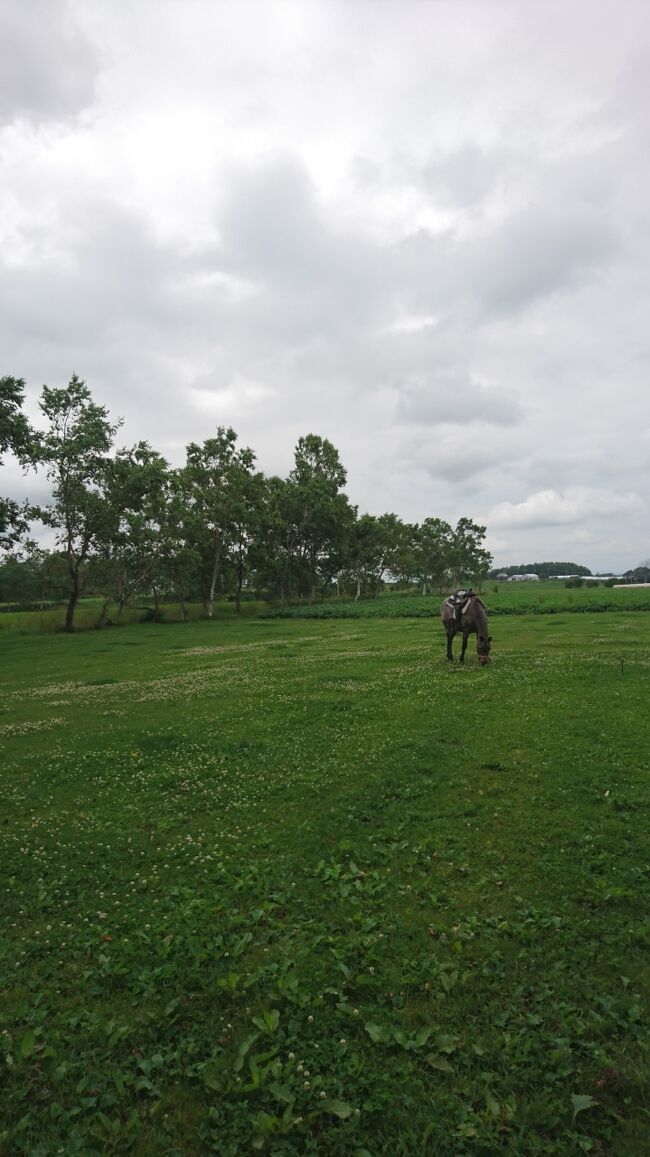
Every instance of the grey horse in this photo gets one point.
(473, 621)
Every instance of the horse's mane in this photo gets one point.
(475, 598)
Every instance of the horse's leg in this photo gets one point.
(464, 647)
(450, 635)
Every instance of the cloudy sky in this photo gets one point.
(420, 229)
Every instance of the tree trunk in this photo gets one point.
(213, 581)
(103, 614)
(72, 602)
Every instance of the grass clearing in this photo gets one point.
(300, 887)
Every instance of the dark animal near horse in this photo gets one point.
(473, 621)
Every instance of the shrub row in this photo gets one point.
(427, 608)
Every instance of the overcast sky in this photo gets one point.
(420, 229)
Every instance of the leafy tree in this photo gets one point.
(35, 577)
(16, 437)
(20, 580)
(75, 451)
(180, 557)
(274, 551)
(214, 478)
(15, 432)
(639, 574)
(378, 544)
(469, 561)
(137, 482)
(434, 547)
(320, 515)
(405, 564)
(247, 527)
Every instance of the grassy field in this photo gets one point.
(543, 598)
(299, 887)
(52, 621)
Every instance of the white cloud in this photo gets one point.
(550, 508)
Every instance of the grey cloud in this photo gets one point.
(468, 175)
(537, 253)
(274, 231)
(47, 65)
(310, 312)
(453, 397)
(470, 457)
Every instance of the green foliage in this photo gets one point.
(15, 432)
(128, 525)
(545, 570)
(74, 449)
(214, 485)
(15, 436)
(376, 544)
(469, 562)
(308, 888)
(320, 516)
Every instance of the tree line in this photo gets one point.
(126, 522)
(543, 569)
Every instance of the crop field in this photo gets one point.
(304, 887)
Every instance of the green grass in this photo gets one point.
(51, 622)
(543, 598)
(299, 887)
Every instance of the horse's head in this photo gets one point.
(483, 648)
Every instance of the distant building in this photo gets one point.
(524, 578)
